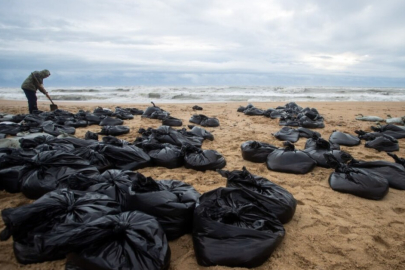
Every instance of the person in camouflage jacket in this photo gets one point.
(33, 83)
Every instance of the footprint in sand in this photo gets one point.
(367, 156)
(398, 210)
(344, 230)
(300, 202)
(380, 241)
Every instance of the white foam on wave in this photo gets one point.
(184, 94)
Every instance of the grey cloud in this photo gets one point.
(85, 38)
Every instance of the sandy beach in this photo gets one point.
(330, 230)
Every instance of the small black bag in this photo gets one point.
(255, 151)
(202, 160)
(289, 160)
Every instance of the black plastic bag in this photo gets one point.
(130, 240)
(91, 136)
(319, 143)
(368, 136)
(345, 139)
(172, 202)
(76, 123)
(273, 197)
(397, 159)
(204, 121)
(111, 140)
(103, 111)
(289, 160)
(114, 130)
(356, 181)
(10, 157)
(383, 143)
(54, 208)
(172, 121)
(77, 142)
(165, 155)
(27, 143)
(316, 148)
(42, 174)
(64, 147)
(127, 157)
(95, 158)
(253, 111)
(287, 134)
(166, 134)
(134, 111)
(230, 230)
(159, 115)
(307, 133)
(196, 107)
(111, 121)
(9, 179)
(256, 151)
(242, 109)
(390, 130)
(341, 156)
(115, 184)
(13, 128)
(123, 114)
(150, 110)
(93, 119)
(202, 160)
(307, 122)
(201, 132)
(56, 130)
(287, 120)
(394, 173)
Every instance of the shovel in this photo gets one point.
(53, 106)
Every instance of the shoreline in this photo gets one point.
(329, 230)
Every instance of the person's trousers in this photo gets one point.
(32, 100)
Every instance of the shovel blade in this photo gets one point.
(53, 107)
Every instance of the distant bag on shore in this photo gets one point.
(204, 121)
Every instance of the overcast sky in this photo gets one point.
(207, 42)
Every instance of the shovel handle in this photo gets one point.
(47, 95)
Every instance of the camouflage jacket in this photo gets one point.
(31, 84)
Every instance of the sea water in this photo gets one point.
(204, 94)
